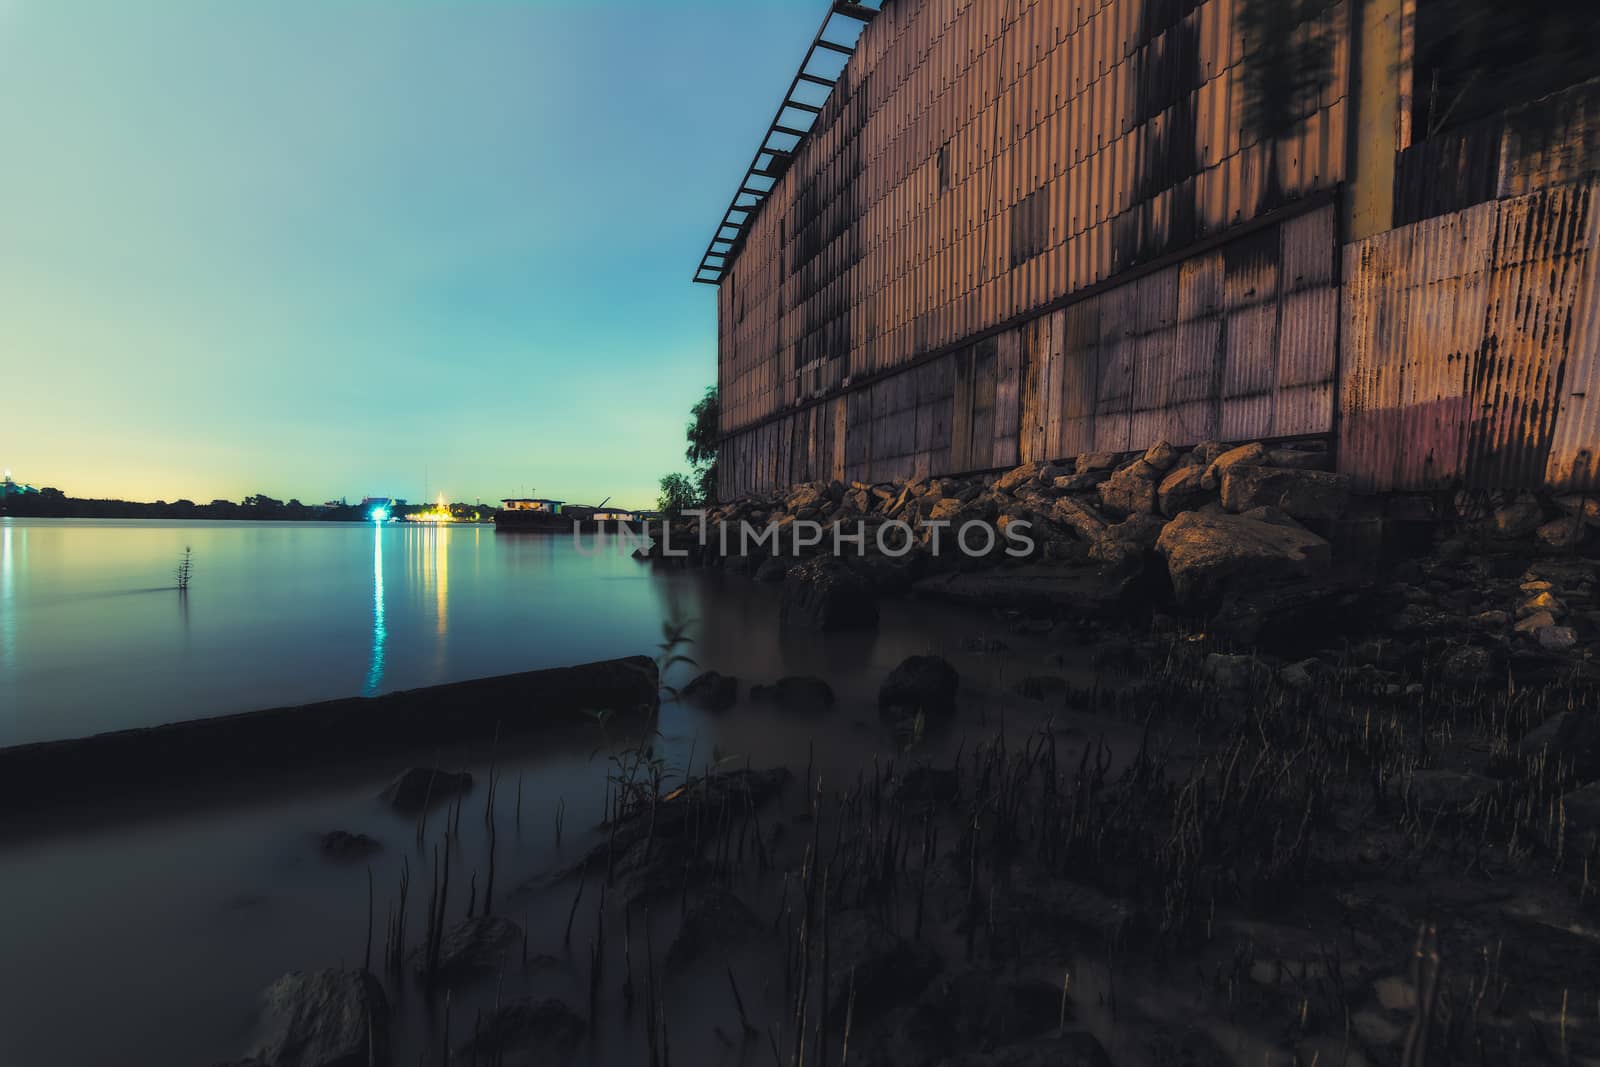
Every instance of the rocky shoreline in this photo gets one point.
(1234, 791)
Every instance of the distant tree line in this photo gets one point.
(54, 504)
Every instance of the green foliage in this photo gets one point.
(1288, 61)
(678, 493)
(705, 427)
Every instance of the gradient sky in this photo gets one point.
(324, 248)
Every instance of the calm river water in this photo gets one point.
(141, 931)
(94, 635)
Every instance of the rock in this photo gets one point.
(1181, 490)
(323, 1019)
(344, 846)
(1080, 518)
(1076, 1048)
(1301, 494)
(799, 693)
(1560, 533)
(1207, 554)
(884, 967)
(806, 496)
(1584, 508)
(420, 787)
(1079, 483)
(1050, 687)
(525, 1030)
(1572, 737)
(925, 684)
(973, 1011)
(1017, 476)
(473, 947)
(1235, 672)
(714, 924)
(1300, 676)
(713, 691)
(824, 594)
(1517, 519)
(1530, 625)
(1251, 453)
(1468, 667)
(1090, 462)
(1542, 600)
(1556, 638)
(1131, 490)
(1491, 620)
(947, 510)
(1161, 456)
(1448, 791)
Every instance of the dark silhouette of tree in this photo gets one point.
(1288, 61)
(678, 493)
(703, 433)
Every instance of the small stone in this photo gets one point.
(1250, 453)
(925, 684)
(1557, 638)
(1517, 519)
(1491, 620)
(1300, 676)
(1131, 490)
(1560, 533)
(1097, 461)
(712, 691)
(1234, 672)
(1161, 456)
(323, 1019)
(1532, 624)
(1080, 483)
(1542, 601)
(1017, 476)
(1181, 490)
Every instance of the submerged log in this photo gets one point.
(331, 731)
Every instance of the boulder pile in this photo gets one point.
(1247, 531)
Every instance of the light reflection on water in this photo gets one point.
(379, 633)
(287, 613)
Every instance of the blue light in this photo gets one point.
(379, 515)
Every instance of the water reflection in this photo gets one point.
(380, 632)
(8, 611)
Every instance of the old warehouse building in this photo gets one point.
(983, 232)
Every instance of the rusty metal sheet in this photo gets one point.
(1468, 341)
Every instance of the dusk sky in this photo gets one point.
(324, 248)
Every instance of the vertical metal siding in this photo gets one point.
(1467, 351)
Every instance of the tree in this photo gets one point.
(705, 428)
(678, 493)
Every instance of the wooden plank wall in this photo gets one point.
(1113, 126)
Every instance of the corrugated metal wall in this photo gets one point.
(1231, 344)
(1468, 350)
(983, 158)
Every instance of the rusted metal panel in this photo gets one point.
(885, 234)
(1468, 341)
